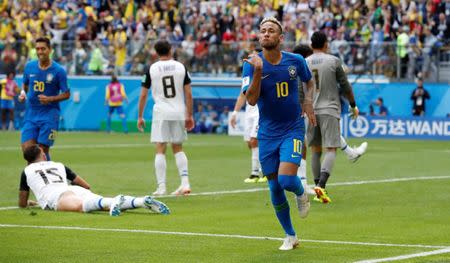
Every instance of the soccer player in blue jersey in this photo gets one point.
(48, 81)
(270, 79)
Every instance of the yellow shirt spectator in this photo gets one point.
(62, 16)
(130, 10)
(121, 55)
(4, 29)
(4, 94)
(36, 25)
(3, 5)
(120, 37)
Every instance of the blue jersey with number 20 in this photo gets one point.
(278, 103)
(49, 82)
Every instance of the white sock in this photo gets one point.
(344, 147)
(132, 202)
(301, 171)
(95, 203)
(182, 164)
(255, 161)
(160, 170)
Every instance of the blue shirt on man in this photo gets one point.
(49, 82)
(279, 105)
(42, 121)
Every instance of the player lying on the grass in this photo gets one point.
(353, 154)
(49, 182)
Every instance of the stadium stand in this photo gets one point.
(398, 38)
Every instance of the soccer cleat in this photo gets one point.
(156, 206)
(262, 180)
(182, 190)
(303, 205)
(289, 243)
(317, 199)
(358, 152)
(159, 191)
(114, 209)
(322, 195)
(252, 179)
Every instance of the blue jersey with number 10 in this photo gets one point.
(49, 82)
(278, 103)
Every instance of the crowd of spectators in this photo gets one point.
(116, 36)
(211, 118)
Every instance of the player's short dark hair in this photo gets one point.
(43, 39)
(114, 78)
(31, 153)
(318, 40)
(303, 50)
(162, 47)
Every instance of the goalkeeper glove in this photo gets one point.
(354, 112)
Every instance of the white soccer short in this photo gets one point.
(51, 197)
(168, 131)
(251, 127)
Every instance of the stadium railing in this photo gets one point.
(225, 60)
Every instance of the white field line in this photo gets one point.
(416, 255)
(213, 235)
(119, 145)
(92, 146)
(8, 207)
(392, 180)
(239, 191)
(188, 143)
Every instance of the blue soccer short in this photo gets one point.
(42, 130)
(7, 104)
(114, 108)
(274, 151)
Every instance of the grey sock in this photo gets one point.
(315, 166)
(327, 167)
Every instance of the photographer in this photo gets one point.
(418, 96)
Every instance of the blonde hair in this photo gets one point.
(273, 20)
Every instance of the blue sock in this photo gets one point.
(124, 125)
(108, 124)
(291, 183)
(281, 206)
(47, 155)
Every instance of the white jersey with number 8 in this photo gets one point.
(167, 79)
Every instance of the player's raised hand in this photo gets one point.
(189, 123)
(309, 111)
(254, 60)
(44, 99)
(141, 124)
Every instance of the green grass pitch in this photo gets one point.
(371, 219)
